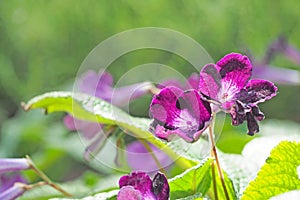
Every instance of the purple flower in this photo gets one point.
(11, 186)
(138, 186)
(178, 112)
(264, 70)
(13, 164)
(227, 83)
(139, 158)
(101, 86)
(13, 192)
(191, 83)
(7, 181)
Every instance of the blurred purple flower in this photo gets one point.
(263, 69)
(13, 164)
(7, 181)
(227, 83)
(11, 186)
(178, 112)
(138, 185)
(140, 159)
(101, 86)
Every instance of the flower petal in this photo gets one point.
(95, 146)
(257, 91)
(235, 70)
(13, 164)
(192, 82)
(13, 192)
(238, 114)
(129, 193)
(99, 85)
(139, 158)
(210, 81)
(179, 113)
(161, 188)
(8, 180)
(89, 129)
(139, 181)
(123, 95)
(252, 124)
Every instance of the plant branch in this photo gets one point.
(45, 177)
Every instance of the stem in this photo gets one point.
(45, 177)
(214, 152)
(214, 179)
(148, 148)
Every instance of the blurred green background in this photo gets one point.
(43, 43)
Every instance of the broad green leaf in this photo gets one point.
(239, 169)
(234, 172)
(294, 194)
(194, 181)
(278, 174)
(90, 108)
(111, 195)
(220, 190)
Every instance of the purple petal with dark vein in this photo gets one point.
(139, 181)
(88, 129)
(179, 113)
(257, 91)
(163, 106)
(139, 158)
(235, 71)
(251, 124)
(13, 164)
(13, 192)
(161, 188)
(210, 81)
(123, 95)
(129, 193)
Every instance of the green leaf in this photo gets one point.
(239, 170)
(194, 181)
(86, 107)
(220, 190)
(278, 174)
(111, 195)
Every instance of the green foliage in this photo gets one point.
(278, 174)
(193, 182)
(90, 108)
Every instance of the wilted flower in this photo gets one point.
(101, 86)
(227, 83)
(138, 185)
(178, 112)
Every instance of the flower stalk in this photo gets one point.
(46, 178)
(216, 162)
